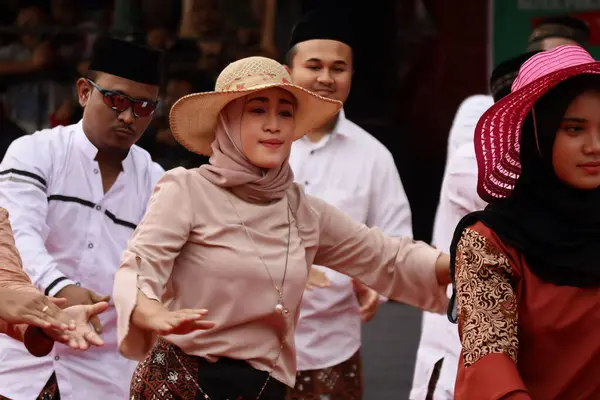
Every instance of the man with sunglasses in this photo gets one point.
(74, 195)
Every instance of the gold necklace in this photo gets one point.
(279, 307)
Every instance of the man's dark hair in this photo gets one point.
(565, 27)
(93, 75)
(289, 56)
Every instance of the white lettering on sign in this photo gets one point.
(558, 5)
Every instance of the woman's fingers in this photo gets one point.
(73, 343)
(61, 338)
(181, 323)
(51, 322)
(77, 341)
(34, 320)
(192, 324)
(191, 311)
(45, 319)
(94, 339)
(97, 308)
(82, 342)
(203, 324)
(60, 302)
(54, 315)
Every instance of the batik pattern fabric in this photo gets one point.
(487, 320)
(340, 382)
(170, 374)
(166, 373)
(487, 304)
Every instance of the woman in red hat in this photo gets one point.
(526, 269)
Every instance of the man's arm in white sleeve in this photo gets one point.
(25, 173)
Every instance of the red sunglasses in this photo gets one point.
(120, 102)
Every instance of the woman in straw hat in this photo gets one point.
(527, 271)
(234, 241)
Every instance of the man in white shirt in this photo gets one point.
(75, 195)
(439, 349)
(344, 165)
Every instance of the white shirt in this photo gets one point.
(353, 171)
(458, 197)
(69, 231)
(465, 121)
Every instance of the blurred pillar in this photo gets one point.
(442, 71)
(127, 23)
(287, 13)
(267, 31)
(188, 27)
(160, 13)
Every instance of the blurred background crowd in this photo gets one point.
(404, 61)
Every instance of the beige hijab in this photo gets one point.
(229, 168)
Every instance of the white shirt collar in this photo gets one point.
(90, 151)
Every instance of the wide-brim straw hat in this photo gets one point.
(498, 132)
(194, 117)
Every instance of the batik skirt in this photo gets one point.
(341, 382)
(169, 373)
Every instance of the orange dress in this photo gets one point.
(522, 338)
(12, 275)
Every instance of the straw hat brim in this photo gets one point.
(498, 132)
(194, 117)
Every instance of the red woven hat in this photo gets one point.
(498, 132)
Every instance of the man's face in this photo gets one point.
(106, 128)
(323, 67)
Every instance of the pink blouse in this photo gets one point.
(191, 251)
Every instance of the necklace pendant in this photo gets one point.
(280, 309)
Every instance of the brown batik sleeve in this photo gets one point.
(487, 322)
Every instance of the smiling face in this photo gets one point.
(323, 67)
(576, 150)
(267, 127)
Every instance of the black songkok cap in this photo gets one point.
(505, 74)
(127, 60)
(559, 27)
(323, 23)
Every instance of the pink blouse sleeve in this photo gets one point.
(399, 268)
(12, 275)
(148, 261)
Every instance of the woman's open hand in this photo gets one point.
(177, 322)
